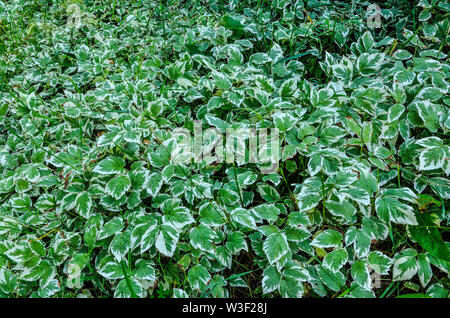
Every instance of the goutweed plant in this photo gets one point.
(95, 203)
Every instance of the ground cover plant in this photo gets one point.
(92, 203)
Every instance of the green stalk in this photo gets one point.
(127, 279)
(237, 185)
(387, 289)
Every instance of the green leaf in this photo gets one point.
(433, 154)
(259, 58)
(438, 291)
(175, 215)
(424, 270)
(144, 270)
(110, 165)
(275, 246)
(228, 196)
(243, 217)
(429, 237)
(111, 227)
(284, 121)
(342, 209)
(201, 238)
(405, 265)
(379, 262)
(167, 239)
(120, 245)
(359, 292)
(297, 234)
(430, 93)
(395, 112)
(198, 277)
(428, 112)
(328, 238)
(390, 209)
(268, 212)
(221, 81)
(291, 288)
(375, 228)
(404, 77)
(236, 242)
(123, 291)
(72, 112)
(50, 289)
(368, 64)
(361, 243)
(335, 259)
(217, 122)
(179, 293)
(211, 214)
(268, 193)
(333, 280)
(118, 186)
(235, 56)
(153, 183)
(314, 164)
(83, 205)
(288, 88)
(308, 201)
(271, 280)
(367, 41)
(360, 274)
(111, 270)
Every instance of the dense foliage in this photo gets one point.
(92, 204)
